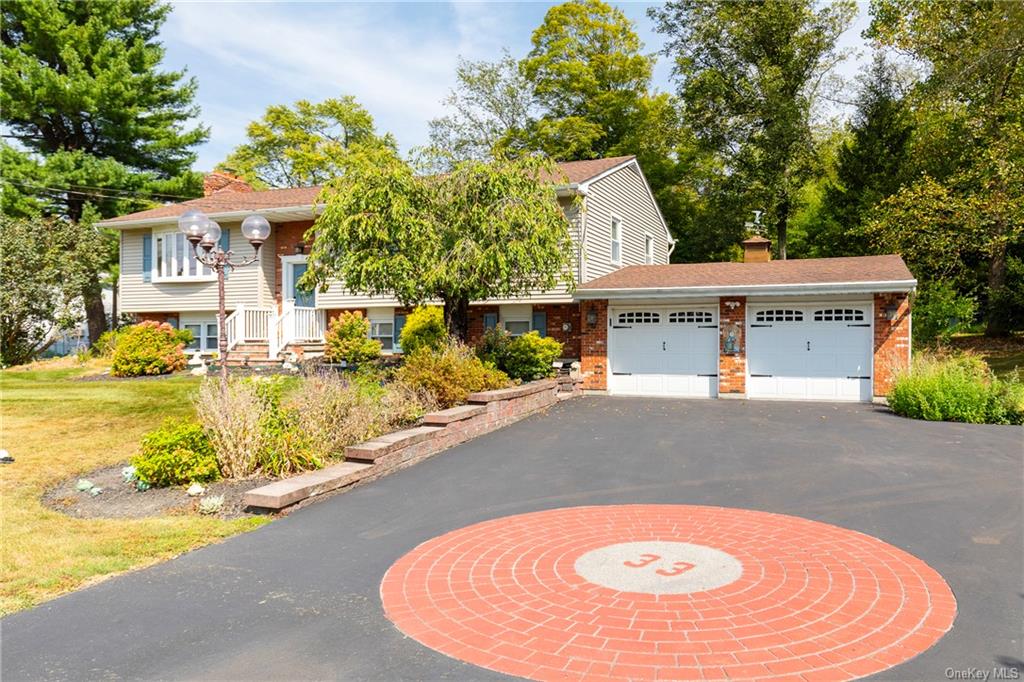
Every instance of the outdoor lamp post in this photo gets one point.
(205, 233)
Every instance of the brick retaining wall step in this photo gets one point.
(453, 414)
(291, 490)
(372, 450)
(514, 392)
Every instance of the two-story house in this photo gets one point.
(833, 329)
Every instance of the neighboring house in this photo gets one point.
(825, 329)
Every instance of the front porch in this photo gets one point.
(258, 335)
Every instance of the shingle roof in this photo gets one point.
(225, 201)
(781, 272)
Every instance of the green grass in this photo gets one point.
(56, 427)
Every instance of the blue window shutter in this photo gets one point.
(490, 321)
(225, 246)
(147, 257)
(399, 323)
(540, 322)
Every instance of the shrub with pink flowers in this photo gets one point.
(150, 348)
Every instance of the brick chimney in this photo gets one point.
(219, 181)
(757, 250)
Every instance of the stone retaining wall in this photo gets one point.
(484, 412)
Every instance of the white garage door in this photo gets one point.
(670, 351)
(810, 352)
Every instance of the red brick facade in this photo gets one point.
(892, 339)
(732, 368)
(594, 345)
(287, 236)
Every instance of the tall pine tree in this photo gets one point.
(871, 164)
(93, 116)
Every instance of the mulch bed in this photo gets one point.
(986, 345)
(121, 500)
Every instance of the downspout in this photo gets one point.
(671, 248)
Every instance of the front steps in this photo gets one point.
(255, 354)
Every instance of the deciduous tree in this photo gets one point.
(749, 74)
(303, 145)
(94, 117)
(482, 230)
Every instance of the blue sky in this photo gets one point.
(397, 59)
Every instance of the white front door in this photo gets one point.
(293, 268)
(663, 351)
(810, 351)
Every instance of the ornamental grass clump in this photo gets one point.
(956, 387)
(149, 348)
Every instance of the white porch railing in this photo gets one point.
(248, 325)
(295, 325)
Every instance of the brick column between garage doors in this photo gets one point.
(732, 368)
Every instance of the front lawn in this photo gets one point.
(56, 426)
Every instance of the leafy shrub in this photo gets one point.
(939, 312)
(493, 346)
(523, 358)
(450, 374)
(177, 453)
(107, 343)
(529, 356)
(958, 388)
(424, 328)
(348, 339)
(149, 348)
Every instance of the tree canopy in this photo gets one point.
(93, 117)
(749, 73)
(482, 230)
(303, 145)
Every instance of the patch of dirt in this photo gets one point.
(986, 345)
(107, 376)
(120, 500)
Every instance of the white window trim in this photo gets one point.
(615, 218)
(287, 281)
(154, 261)
(516, 313)
(202, 324)
(648, 249)
(377, 316)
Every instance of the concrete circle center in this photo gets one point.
(658, 567)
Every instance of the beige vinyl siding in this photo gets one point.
(251, 285)
(623, 194)
(336, 296)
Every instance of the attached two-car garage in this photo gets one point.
(813, 329)
(809, 351)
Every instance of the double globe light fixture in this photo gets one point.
(204, 236)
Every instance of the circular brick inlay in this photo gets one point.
(576, 594)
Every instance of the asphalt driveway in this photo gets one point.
(299, 599)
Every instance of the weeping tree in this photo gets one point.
(483, 230)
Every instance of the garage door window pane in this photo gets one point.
(839, 315)
(780, 315)
(689, 317)
(639, 317)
